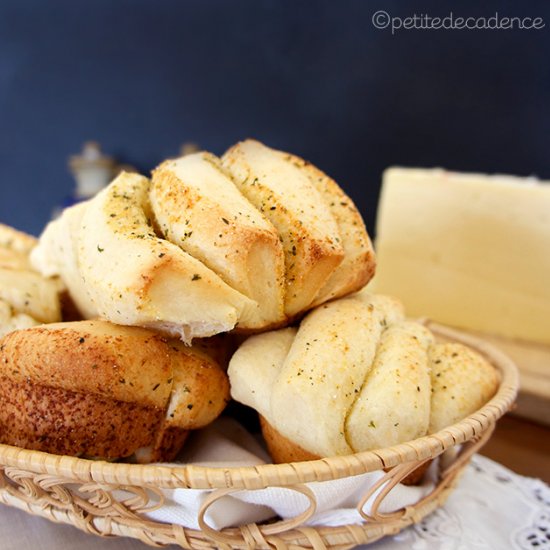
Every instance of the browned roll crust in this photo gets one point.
(359, 263)
(100, 390)
(55, 420)
(280, 448)
(282, 451)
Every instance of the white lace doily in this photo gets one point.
(491, 509)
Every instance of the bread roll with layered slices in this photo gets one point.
(355, 376)
(250, 241)
(327, 250)
(135, 277)
(198, 207)
(98, 390)
(26, 297)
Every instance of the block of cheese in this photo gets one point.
(467, 250)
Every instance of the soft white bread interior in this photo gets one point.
(101, 390)
(197, 207)
(356, 376)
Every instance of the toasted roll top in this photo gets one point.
(111, 390)
(250, 241)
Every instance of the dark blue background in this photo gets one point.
(312, 77)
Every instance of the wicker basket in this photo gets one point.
(84, 493)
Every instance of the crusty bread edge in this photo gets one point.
(282, 450)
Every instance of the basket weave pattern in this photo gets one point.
(111, 499)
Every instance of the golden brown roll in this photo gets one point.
(95, 389)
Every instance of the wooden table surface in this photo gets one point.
(522, 446)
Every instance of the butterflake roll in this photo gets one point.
(26, 297)
(355, 376)
(249, 241)
(135, 277)
(198, 208)
(95, 389)
(327, 250)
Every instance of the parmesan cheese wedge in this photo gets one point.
(467, 250)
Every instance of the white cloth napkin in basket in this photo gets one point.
(227, 443)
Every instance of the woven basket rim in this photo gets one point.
(265, 475)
